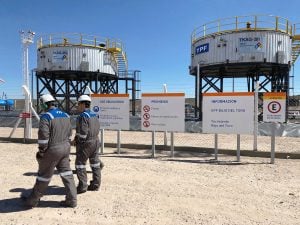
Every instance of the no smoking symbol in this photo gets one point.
(146, 108)
(146, 116)
(146, 123)
(274, 107)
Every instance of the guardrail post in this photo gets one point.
(172, 144)
(216, 146)
(119, 141)
(238, 144)
(273, 143)
(153, 144)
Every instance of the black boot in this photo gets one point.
(30, 201)
(69, 204)
(93, 187)
(80, 190)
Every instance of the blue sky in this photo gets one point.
(156, 33)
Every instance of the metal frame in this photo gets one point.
(67, 86)
(132, 83)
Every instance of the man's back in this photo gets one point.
(55, 126)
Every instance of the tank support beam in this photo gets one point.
(66, 87)
(66, 90)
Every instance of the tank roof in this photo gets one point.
(243, 23)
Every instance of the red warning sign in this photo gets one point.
(146, 108)
(25, 115)
(274, 107)
(146, 116)
(146, 123)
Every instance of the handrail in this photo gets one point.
(296, 30)
(242, 23)
(78, 39)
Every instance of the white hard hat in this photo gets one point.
(47, 98)
(84, 98)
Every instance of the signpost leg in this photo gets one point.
(102, 141)
(273, 144)
(25, 130)
(238, 144)
(119, 141)
(165, 138)
(216, 146)
(153, 144)
(255, 131)
(172, 144)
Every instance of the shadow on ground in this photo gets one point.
(17, 204)
(215, 162)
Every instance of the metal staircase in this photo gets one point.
(119, 55)
(132, 86)
(131, 78)
(295, 48)
(295, 55)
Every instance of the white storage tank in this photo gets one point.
(77, 52)
(242, 40)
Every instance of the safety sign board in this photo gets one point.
(112, 110)
(229, 113)
(25, 115)
(274, 107)
(163, 112)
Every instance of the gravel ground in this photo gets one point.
(136, 189)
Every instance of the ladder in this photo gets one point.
(295, 55)
(120, 58)
(295, 48)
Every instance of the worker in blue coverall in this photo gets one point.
(87, 146)
(54, 135)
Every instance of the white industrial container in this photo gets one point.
(77, 52)
(75, 58)
(243, 47)
(248, 39)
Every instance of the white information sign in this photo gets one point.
(60, 56)
(163, 112)
(251, 44)
(112, 110)
(274, 108)
(229, 113)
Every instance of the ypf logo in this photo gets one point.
(274, 107)
(202, 48)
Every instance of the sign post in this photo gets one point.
(274, 110)
(113, 114)
(162, 112)
(229, 113)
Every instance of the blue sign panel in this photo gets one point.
(202, 48)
